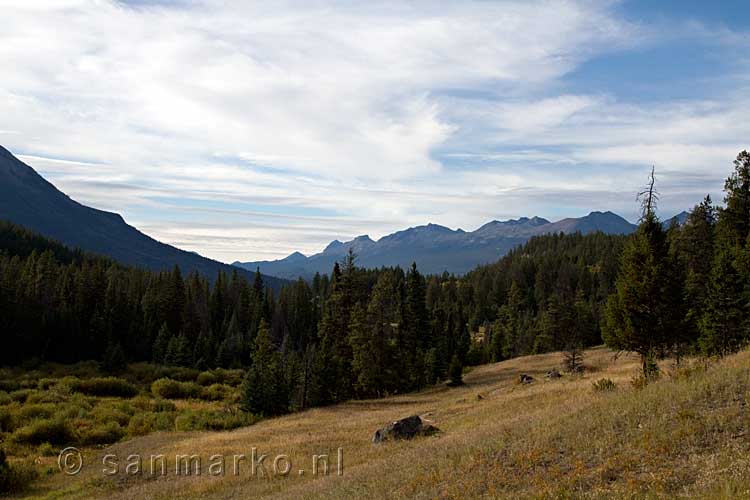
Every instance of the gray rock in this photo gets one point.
(525, 379)
(406, 428)
(553, 373)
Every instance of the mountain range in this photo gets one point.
(436, 248)
(28, 200)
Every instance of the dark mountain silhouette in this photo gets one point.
(29, 200)
(437, 248)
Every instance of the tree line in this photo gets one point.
(685, 289)
(360, 333)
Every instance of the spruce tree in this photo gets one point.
(368, 354)
(161, 343)
(640, 314)
(265, 390)
(734, 220)
(114, 358)
(724, 324)
(695, 251)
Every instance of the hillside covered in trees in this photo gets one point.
(366, 333)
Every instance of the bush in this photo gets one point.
(153, 405)
(16, 478)
(104, 415)
(147, 373)
(604, 384)
(5, 398)
(232, 378)
(146, 423)
(35, 411)
(207, 378)
(211, 420)
(104, 386)
(216, 392)
(45, 397)
(108, 433)
(7, 420)
(46, 450)
(45, 384)
(55, 431)
(162, 405)
(172, 389)
(9, 385)
(20, 395)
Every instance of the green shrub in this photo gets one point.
(9, 385)
(52, 396)
(20, 395)
(103, 414)
(7, 420)
(105, 386)
(603, 385)
(5, 398)
(146, 373)
(146, 423)
(207, 378)
(107, 433)
(30, 412)
(162, 405)
(46, 450)
(216, 392)
(15, 478)
(211, 420)
(55, 431)
(173, 389)
(231, 377)
(45, 384)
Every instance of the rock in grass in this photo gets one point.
(406, 428)
(553, 373)
(525, 379)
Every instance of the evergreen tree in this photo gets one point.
(735, 217)
(415, 337)
(369, 354)
(161, 344)
(695, 251)
(724, 324)
(640, 315)
(114, 358)
(265, 390)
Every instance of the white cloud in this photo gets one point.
(341, 108)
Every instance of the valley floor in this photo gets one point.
(683, 436)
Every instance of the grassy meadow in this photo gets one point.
(596, 435)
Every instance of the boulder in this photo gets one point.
(406, 428)
(553, 373)
(525, 379)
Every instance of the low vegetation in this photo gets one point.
(683, 435)
(54, 406)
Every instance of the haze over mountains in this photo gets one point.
(28, 200)
(437, 248)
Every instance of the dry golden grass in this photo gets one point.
(684, 436)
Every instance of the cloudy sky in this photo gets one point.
(247, 130)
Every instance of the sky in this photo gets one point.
(248, 130)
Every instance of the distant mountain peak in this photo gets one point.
(334, 245)
(295, 256)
